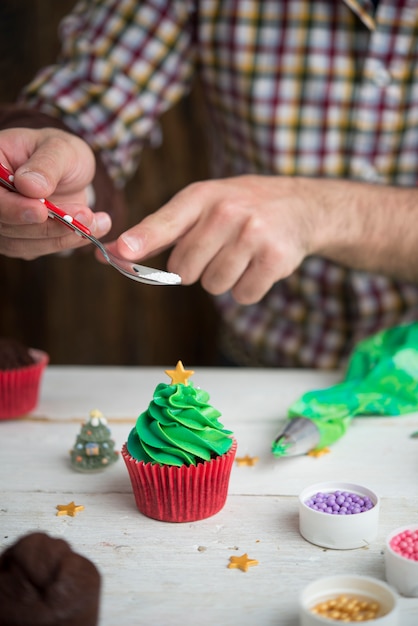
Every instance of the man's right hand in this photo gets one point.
(47, 163)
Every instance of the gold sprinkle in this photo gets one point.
(179, 375)
(70, 509)
(317, 452)
(347, 609)
(241, 562)
(247, 460)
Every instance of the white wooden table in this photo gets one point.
(176, 574)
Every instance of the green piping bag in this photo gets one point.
(381, 379)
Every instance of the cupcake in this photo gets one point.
(179, 456)
(43, 582)
(21, 370)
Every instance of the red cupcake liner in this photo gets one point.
(19, 388)
(180, 494)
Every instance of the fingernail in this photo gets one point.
(133, 243)
(37, 178)
(31, 217)
(81, 217)
(102, 222)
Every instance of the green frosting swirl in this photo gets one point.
(178, 428)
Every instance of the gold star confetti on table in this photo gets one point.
(241, 562)
(317, 452)
(179, 375)
(70, 509)
(246, 460)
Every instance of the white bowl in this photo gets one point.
(401, 573)
(340, 532)
(359, 586)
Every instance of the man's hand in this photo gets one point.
(241, 233)
(245, 233)
(47, 163)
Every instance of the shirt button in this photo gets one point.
(366, 171)
(370, 174)
(381, 77)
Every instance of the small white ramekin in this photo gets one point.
(401, 573)
(365, 587)
(340, 532)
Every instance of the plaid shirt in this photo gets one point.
(324, 88)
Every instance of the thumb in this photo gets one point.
(33, 183)
(59, 159)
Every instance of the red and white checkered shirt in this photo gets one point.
(323, 88)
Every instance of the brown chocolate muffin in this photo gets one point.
(13, 354)
(43, 582)
(21, 370)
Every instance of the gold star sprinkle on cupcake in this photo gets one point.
(317, 452)
(179, 375)
(70, 509)
(247, 460)
(241, 562)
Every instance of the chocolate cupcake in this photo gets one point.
(43, 582)
(21, 370)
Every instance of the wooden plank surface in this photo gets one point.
(177, 574)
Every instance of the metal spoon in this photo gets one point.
(140, 273)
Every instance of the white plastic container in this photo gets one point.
(365, 587)
(340, 532)
(401, 573)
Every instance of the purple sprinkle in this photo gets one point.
(339, 503)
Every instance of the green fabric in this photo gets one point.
(381, 379)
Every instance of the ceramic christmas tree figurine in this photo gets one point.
(94, 447)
